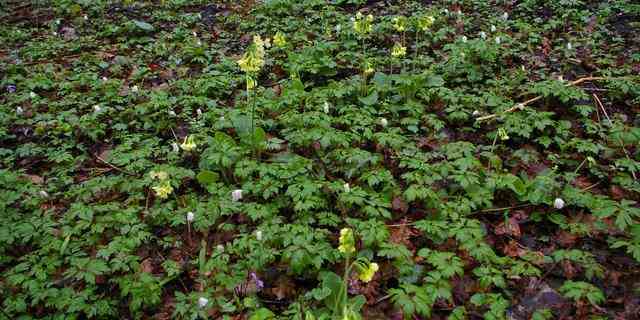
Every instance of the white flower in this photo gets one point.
(446, 11)
(19, 110)
(493, 28)
(172, 113)
(86, 17)
(199, 43)
(44, 194)
(483, 35)
(259, 235)
(384, 122)
(190, 216)
(202, 302)
(199, 112)
(475, 113)
(558, 203)
(569, 46)
(498, 40)
(55, 33)
(338, 28)
(97, 108)
(464, 39)
(194, 34)
(236, 195)
(175, 147)
(32, 95)
(220, 248)
(326, 107)
(505, 16)
(221, 118)
(347, 188)
(104, 79)
(459, 12)
(134, 89)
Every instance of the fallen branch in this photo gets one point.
(626, 153)
(521, 105)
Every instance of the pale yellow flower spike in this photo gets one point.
(367, 274)
(347, 242)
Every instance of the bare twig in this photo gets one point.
(112, 166)
(626, 153)
(521, 105)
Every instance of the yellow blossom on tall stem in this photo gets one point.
(279, 40)
(251, 63)
(346, 242)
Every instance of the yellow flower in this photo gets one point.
(425, 22)
(160, 175)
(163, 190)
(400, 23)
(367, 273)
(368, 68)
(188, 144)
(347, 242)
(398, 51)
(253, 59)
(503, 134)
(362, 25)
(279, 40)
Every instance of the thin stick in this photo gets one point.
(626, 153)
(521, 106)
(114, 167)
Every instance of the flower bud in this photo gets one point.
(190, 216)
(558, 203)
(236, 195)
(202, 302)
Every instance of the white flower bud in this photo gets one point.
(19, 110)
(558, 203)
(202, 302)
(134, 89)
(86, 17)
(384, 122)
(498, 40)
(347, 188)
(475, 113)
(236, 195)
(505, 16)
(97, 108)
(104, 79)
(569, 46)
(199, 112)
(464, 39)
(259, 235)
(172, 113)
(190, 216)
(175, 147)
(326, 107)
(32, 95)
(493, 28)
(483, 35)
(220, 248)
(44, 194)
(194, 34)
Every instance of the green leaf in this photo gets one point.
(262, 314)
(143, 25)
(370, 100)
(206, 177)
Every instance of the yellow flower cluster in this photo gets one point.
(279, 40)
(425, 22)
(363, 25)
(398, 50)
(400, 23)
(367, 273)
(347, 242)
(253, 59)
(164, 189)
(368, 68)
(188, 144)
